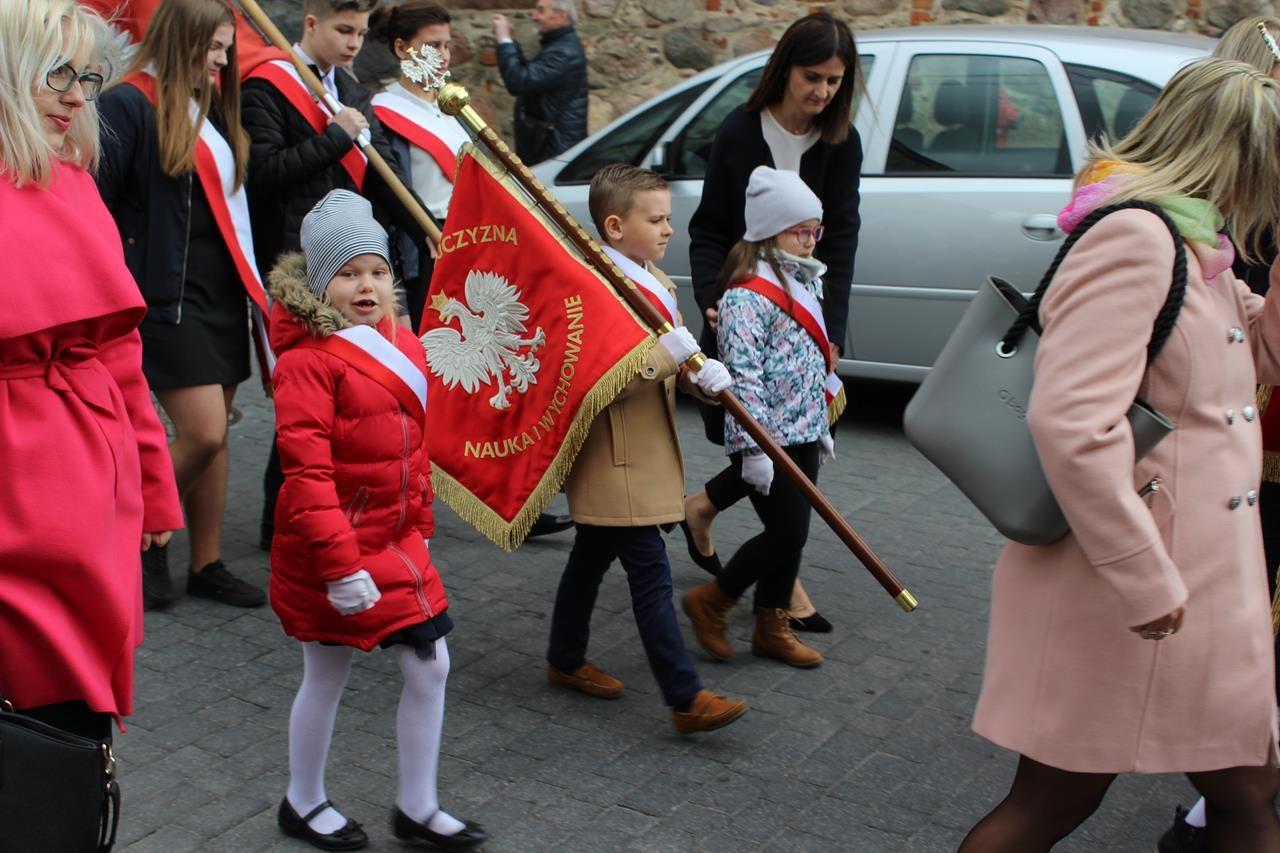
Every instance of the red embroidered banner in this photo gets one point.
(526, 344)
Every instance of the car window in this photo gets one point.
(978, 115)
(630, 142)
(692, 148)
(1111, 104)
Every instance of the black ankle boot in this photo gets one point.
(157, 586)
(471, 836)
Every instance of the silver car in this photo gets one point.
(970, 137)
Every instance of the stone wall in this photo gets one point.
(638, 48)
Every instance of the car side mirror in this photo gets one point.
(661, 162)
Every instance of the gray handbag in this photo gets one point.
(969, 416)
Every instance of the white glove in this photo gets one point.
(353, 594)
(680, 343)
(757, 471)
(713, 377)
(826, 448)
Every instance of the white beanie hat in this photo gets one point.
(776, 201)
(340, 227)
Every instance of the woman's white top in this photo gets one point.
(786, 147)
(429, 181)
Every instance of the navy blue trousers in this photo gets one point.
(644, 558)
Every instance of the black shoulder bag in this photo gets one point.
(58, 790)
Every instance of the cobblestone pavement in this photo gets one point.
(870, 752)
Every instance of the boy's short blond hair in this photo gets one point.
(323, 9)
(614, 188)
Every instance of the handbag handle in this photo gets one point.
(1029, 317)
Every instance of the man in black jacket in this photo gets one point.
(551, 88)
(299, 153)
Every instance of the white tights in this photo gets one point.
(419, 721)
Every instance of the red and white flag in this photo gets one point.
(132, 16)
(526, 344)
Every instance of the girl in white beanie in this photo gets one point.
(773, 340)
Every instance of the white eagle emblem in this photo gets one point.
(492, 336)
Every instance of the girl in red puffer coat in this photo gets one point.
(350, 566)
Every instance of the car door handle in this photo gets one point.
(1041, 226)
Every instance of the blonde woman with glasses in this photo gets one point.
(1141, 642)
(1252, 40)
(87, 480)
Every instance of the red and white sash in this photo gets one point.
(653, 290)
(803, 307)
(285, 78)
(216, 171)
(412, 121)
(366, 350)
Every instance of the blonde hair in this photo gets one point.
(1243, 42)
(1212, 134)
(613, 191)
(175, 49)
(36, 37)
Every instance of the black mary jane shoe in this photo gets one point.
(349, 837)
(814, 623)
(709, 563)
(470, 837)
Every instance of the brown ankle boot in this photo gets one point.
(773, 638)
(708, 609)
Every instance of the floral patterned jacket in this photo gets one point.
(778, 370)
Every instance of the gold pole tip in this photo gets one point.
(453, 98)
(906, 601)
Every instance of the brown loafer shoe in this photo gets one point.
(708, 713)
(588, 679)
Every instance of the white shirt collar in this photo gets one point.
(329, 81)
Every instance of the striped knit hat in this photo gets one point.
(338, 228)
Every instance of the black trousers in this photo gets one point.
(771, 560)
(644, 558)
(1269, 510)
(272, 481)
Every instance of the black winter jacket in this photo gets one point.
(293, 167)
(551, 94)
(831, 171)
(134, 187)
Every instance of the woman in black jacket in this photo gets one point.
(171, 130)
(799, 118)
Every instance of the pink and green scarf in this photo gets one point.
(1198, 221)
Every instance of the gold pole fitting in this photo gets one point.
(906, 600)
(453, 98)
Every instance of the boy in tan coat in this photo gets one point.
(629, 475)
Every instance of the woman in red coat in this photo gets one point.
(350, 568)
(87, 481)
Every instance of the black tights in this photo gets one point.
(1046, 804)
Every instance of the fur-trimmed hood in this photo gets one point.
(297, 312)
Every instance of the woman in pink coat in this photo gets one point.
(86, 482)
(1141, 642)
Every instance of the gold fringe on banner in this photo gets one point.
(508, 535)
(836, 407)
